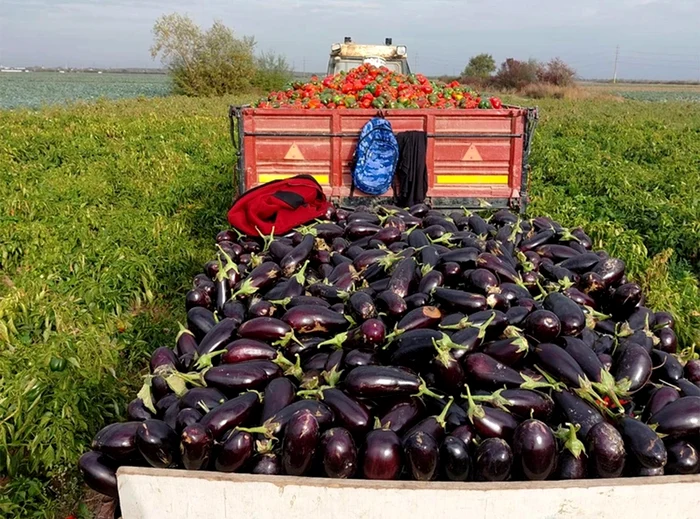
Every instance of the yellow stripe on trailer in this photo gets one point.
(269, 177)
(472, 179)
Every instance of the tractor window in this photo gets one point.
(349, 64)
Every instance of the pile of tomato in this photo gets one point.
(368, 86)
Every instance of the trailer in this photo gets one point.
(475, 158)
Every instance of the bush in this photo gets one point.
(272, 72)
(480, 66)
(556, 72)
(515, 74)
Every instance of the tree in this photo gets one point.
(211, 62)
(516, 74)
(557, 72)
(481, 65)
(272, 72)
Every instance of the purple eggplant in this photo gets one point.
(349, 413)
(382, 381)
(667, 367)
(570, 315)
(279, 250)
(664, 320)
(403, 415)
(610, 270)
(218, 337)
(402, 277)
(99, 473)
(392, 303)
(625, 299)
(489, 422)
(484, 371)
(493, 460)
(415, 347)
(323, 415)
(455, 459)
(136, 411)
(361, 228)
(525, 403)
(233, 413)
(118, 441)
(338, 453)
(692, 371)
(197, 298)
(668, 341)
(465, 257)
(265, 329)
(362, 306)
(268, 464)
(297, 256)
(421, 453)
(570, 466)
(634, 368)
(300, 439)
(234, 310)
(233, 378)
(314, 319)
(279, 393)
(542, 326)
(163, 357)
(534, 450)
(585, 357)
(381, 455)
(659, 399)
(448, 372)
(683, 458)
(186, 417)
(424, 317)
(236, 453)
(261, 308)
(203, 399)
(186, 348)
(242, 350)
(307, 300)
(580, 298)
(577, 411)
(606, 451)
(687, 387)
(680, 418)
(510, 352)
(642, 442)
(163, 404)
(358, 357)
(417, 300)
(158, 443)
(459, 300)
(196, 444)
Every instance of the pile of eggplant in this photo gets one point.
(393, 343)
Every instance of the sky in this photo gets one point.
(657, 39)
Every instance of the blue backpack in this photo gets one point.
(375, 158)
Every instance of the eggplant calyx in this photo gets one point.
(568, 435)
(389, 260)
(513, 332)
(282, 302)
(230, 264)
(267, 239)
(336, 342)
(687, 354)
(264, 429)
(467, 212)
(205, 361)
(256, 260)
(425, 269)
(610, 387)
(299, 277)
(532, 384)
(445, 239)
(332, 377)
(182, 331)
(495, 399)
(246, 289)
(623, 330)
(312, 393)
(410, 230)
(291, 369)
(289, 336)
(423, 390)
(473, 409)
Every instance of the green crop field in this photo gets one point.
(36, 89)
(108, 209)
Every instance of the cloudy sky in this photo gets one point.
(658, 39)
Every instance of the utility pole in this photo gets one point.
(617, 55)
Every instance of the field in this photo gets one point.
(110, 208)
(655, 92)
(36, 89)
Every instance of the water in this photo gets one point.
(35, 89)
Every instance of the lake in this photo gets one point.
(35, 89)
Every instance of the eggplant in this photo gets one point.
(610, 270)
(585, 357)
(381, 381)
(510, 352)
(459, 300)
(338, 453)
(163, 404)
(234, 310)
(683, 458)
(570, 466)
(559, 363)
(381, 455)
(634, 368)
(417, 300)
(659, 399)
(606, 451)
(242, 350)
(484, 371)
(258, 279)
(307, 300)
(349, 413)
(279, 393)
(233, 413)
(300, 439)
(465, 257)
(625, 299)
(236, 453)
(577, 411)
(356, 358)
(186, 417)
(581, 263)
(136, 411)
(158, 443)
(233, 378)
(493, 460)
(481, 281)
(403, 415)
(314, 319)
(415, 347)
(170, 415)
(402, 277)
(534, 450)
(323, 415)
(202, 398)
(667, 367)
(195, 446)
(525, 403)
(279, 250)
(668, 341)
(265, 329)
(570, 315)
(100, 473)
(197, 298)
(268, 464)
(642, 442)
(580, 298)
(692, 371)
(200, 321)
(118, 441)
(542, 326)
(421, 453)
(392, 303)
(218, 336)
(537, 240)
(448, 373)
(455, 459)
(186, 348)
(362, 306)
(680, 418)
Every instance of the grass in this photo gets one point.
(110, 208)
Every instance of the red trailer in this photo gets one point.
(475, 158)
